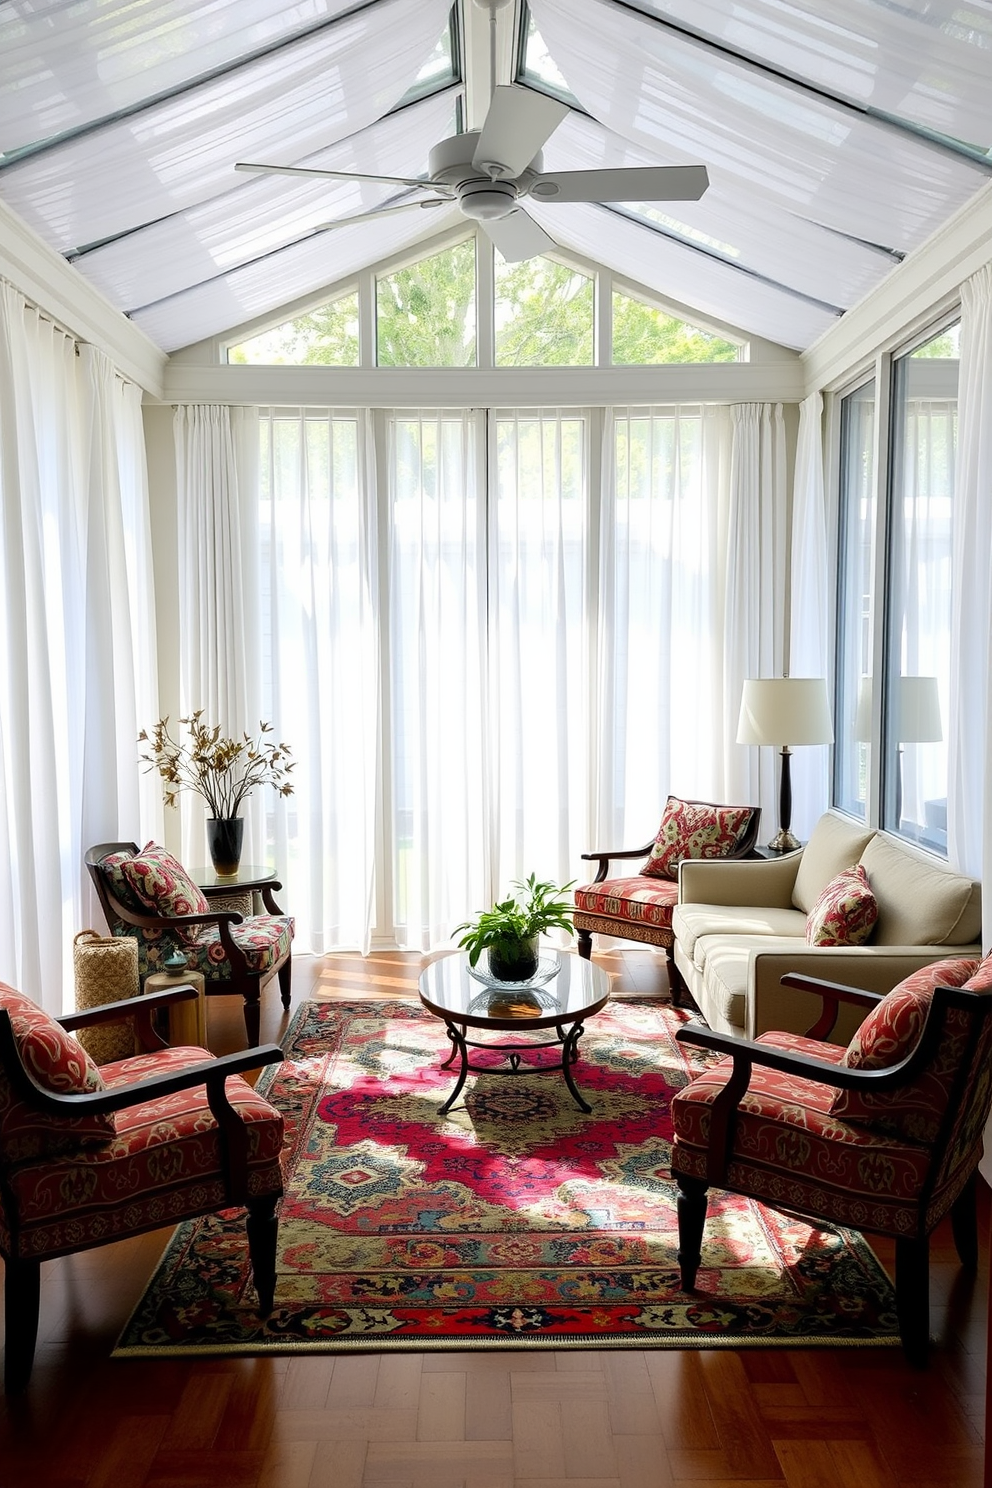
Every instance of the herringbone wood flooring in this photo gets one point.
(754, 1419)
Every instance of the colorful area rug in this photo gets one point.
(515, 1221)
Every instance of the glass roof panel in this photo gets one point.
(680, 276)
(684, 104)
(263, 214)
(278, 109)
(928, 63)
(734, 222)
(61, 66)
(263, 286)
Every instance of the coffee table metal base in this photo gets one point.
(567, 1041)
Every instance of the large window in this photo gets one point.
(918, 622)
(853, 702)
(892, 691)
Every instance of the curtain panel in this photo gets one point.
(77, 637)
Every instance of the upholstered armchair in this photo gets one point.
(91, 1155)
(639, 907)
(883, 1136)
(149, 895)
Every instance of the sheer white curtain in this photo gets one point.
(216, 473)
(77, 656)
(661, 716)
(969, 797)
(319, 664)
(809, 628)
(754, 620)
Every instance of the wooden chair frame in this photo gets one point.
(912, 1251)
(243, 979)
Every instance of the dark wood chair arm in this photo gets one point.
(151, 921)
(268, 897)
(210, 1072)
(139, 1010)
(832, 995)
(128, 1007)
(603, 858)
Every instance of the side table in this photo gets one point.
(187, 1020)
(244, 892)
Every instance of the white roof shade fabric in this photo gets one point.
(121, 121)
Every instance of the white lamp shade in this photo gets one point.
(785, 710)
(918, 720)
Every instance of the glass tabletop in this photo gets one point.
(575, 990)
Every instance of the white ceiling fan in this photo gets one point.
(490, 172)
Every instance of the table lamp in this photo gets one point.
(785, 711)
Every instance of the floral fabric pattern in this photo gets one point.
(264, 939)
(163, 1164)
(982, 979)
(888, 1035)
(695, 830)
(845, 911)
(643, 901)
(58, 1062)
(161, 883)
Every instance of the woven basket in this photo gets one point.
(106, 970)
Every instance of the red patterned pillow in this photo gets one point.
(60, 1064)
(982, 980)
(695, 830)
(889, 1035)
(845, 911)
(162, 883)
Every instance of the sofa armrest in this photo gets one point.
(762, 882)
(770, 1005)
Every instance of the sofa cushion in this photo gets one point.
(58, 1062)
(834, 844)
(844, 912)
(919, 902)
(692, 922)
(889, 1035)
(695, 829)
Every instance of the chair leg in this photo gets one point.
(913, 1299)
(964, 1224)
(692, 1218)
(286, 980)
(262, 1225)
(584, 943)
(22, 1294)
(253, 1017)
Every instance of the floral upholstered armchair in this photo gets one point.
(639, 907)
(883, 1136)
(149, 895)
(91, 1155)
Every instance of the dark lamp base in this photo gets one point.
(784, 841)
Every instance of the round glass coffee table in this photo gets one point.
(565, 991)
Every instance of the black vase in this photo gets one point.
(514, 961)
(224, 837)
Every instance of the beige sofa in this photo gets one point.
(740, 926)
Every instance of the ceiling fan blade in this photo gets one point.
(439, 201)
(517, 124)
(303, 170)
(517, 236)
(640, 183)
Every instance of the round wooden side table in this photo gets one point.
(187, 1020)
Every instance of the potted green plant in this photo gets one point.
(509, 932)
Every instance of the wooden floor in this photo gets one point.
(596, 1419)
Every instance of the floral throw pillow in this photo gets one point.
(691, 829)
(889, 1035)
(55, 1059)
(982, 980)
(162, 884)
(845, 911)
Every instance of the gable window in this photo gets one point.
(544, 315)
(326, 336)
(425, 313)
(645, 336)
